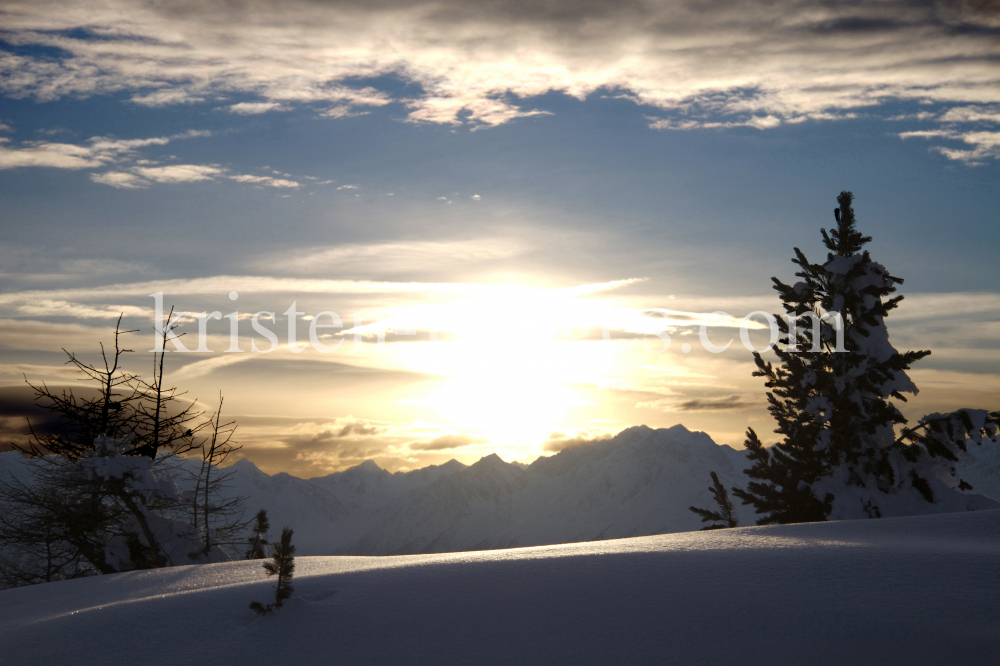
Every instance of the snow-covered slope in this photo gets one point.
(918, 590)
(638, 483)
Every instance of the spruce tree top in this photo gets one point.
(845, 240)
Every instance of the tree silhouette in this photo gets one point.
(726, 515)
(282, 565)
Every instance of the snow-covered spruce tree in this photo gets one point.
(840, 456)
(726, 515)
(282, 565)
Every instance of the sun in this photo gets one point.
(509, 371)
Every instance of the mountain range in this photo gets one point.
(639, 483)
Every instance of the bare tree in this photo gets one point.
(111, 413)
(219, 516)
(99, 496)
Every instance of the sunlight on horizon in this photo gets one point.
(512, 363)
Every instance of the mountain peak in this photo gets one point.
(679, 428)
(246, 466)
(492, 460)
(368, 467)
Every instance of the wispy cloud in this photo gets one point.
(447, 442)
(179, 173)
(574, 438)
(261, 284)
(46, 307)
(985, 144)
(376, 259)
(45, 154)
(131, 171)
(265, 180)
(206, 366)
(166, 97)
(725, 403)
(120, 179)
(255, 108)
(97, 152)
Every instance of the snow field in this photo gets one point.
(915, 590)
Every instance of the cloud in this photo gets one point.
(402, 257)
(308, 448)
(99, 152)
(43, 307)
(265, 180)
(985, 144)
(19, 407)
(179, 173)
(447, 442)
(255, 108)
(700, 63)
(971, 114)
(572, 439)
(342, 112)
(727, 403)
(43, 154)
(167, 97)
(206, 366)
(120, 179)
(102, 151)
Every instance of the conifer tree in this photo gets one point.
(830, 392)
(258, 538)
(726, 515)
(282, 565)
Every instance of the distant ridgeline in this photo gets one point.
(636, 484)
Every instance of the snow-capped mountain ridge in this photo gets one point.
(639, 483)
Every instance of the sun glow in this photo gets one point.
(511, 361)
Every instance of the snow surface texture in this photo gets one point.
(917, 590)
(639, 483)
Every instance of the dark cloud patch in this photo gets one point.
(859, 24)
(714, 404)
(447, 442)
(358, 429)
(312, 462)
(307, 448)
(19, 407)
(561, 441)
(354, 430)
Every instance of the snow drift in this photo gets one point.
(918, 590)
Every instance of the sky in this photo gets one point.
(511, 207)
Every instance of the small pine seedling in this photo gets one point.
(726, 515)
(258, 542)
(282, 565)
